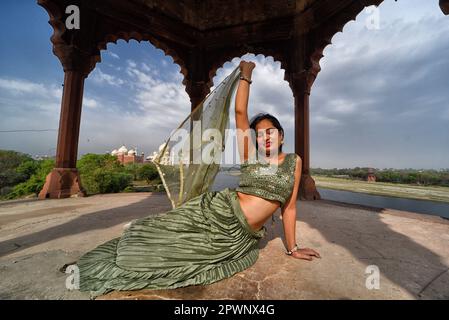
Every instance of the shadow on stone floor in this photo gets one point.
(87, 222)
(403, 261)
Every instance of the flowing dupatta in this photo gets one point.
(189, 160)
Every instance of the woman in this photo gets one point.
(211, 236)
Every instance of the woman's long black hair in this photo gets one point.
(262, 116)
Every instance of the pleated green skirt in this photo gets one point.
(205, 240)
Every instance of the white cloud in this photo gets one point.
(20, 86)
(100, 77)
(138, 77)
(112, 54)
(342, 106)
(384, 89)
(28, 105)
(56, 92)
(90, 103)
(162, 103)
(146, 67)
(269, 91)
(323, 120)
(24, 92)
(131, 63)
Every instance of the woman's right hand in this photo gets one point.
(246, 68)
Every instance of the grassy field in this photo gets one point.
(433, 193)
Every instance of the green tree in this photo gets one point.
(132, 169)
(102, 180)
(91, 161)
(35, 183)
(9, 162)
(28, 168)
(103, 173)
(148, 172)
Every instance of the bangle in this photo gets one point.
(295, 248)
(246, 79)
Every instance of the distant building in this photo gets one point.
(371, 176)
(165, 160)
(42, 157)
(125, 156)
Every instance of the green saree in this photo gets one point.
(205, 240)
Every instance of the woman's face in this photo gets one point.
(268, 137)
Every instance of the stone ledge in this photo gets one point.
(409, 249)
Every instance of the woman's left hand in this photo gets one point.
(306, 254)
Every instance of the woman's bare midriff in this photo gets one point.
(257, 210)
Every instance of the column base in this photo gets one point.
(62, 183)
(307, 189)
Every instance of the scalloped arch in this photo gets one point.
(55, 15)
(337, 26)
(231, 54)
(139, 37)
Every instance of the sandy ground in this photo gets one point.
(410, 251)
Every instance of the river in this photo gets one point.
(436, 208)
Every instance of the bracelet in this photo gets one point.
(295, 248)
(246, 79)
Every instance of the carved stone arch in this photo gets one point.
(322, 37)
(75, 49)
(55, 14)
(276, 52)
(336, 24)
(113, 37)
(219, 58)
(230, 53)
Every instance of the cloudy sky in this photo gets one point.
(381, 99)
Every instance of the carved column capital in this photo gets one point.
(303, 66)
(74, 59)
(301, 82)
(76, 47)
(197, 91)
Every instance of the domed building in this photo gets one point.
(165, 159)
(128, 156)
(123, 150)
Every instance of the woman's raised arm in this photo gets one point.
(245, 145)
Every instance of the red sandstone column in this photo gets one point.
(64, 181)
(197, 77)
(301, 84)
(197, 91)
(69, 123)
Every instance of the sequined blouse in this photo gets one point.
(268, 181)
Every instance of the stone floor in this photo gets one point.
(37, 238)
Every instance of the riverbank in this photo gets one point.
(407, 191)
